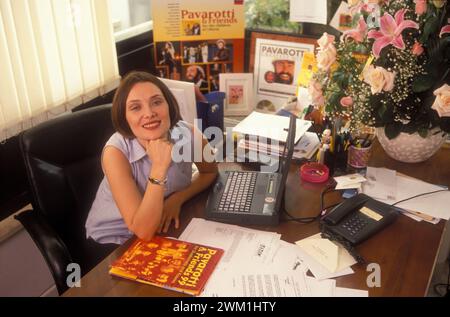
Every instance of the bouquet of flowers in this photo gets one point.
(391, 70)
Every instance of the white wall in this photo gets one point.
(120, 14)
(129, 13)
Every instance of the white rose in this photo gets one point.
(442, 102)
(325, 41)
(326, 58)
(379, 79)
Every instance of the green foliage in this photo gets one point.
(392, 130)
(423, 83)
(270, 15)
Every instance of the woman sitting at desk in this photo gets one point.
(143, 189)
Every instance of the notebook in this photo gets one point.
(250, 197)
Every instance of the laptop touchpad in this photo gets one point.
(261, 189)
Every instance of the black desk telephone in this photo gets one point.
(357, 218)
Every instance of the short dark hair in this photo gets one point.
(118, 112)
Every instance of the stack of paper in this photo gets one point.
(304, 149)
(352, 181)
(270, 126)
(384, 186)
(259, 264)
(381, 183)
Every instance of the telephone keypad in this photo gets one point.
(354, 224)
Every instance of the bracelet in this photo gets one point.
(156, 181)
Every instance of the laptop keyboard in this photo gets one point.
(238, 193)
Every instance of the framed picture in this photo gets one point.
(239, 93)
(163, 71)
(276, 60)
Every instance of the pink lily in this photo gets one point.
(391, 31)
(359, 33)
(445, 30)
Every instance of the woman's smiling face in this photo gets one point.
(147, 112)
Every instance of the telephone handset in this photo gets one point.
(358, 218)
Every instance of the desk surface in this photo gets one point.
(406, 251)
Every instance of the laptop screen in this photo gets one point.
(285, 159)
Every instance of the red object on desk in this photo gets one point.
(314, 172)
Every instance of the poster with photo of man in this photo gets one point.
(212, 57)
(196, 74)
(276, 69)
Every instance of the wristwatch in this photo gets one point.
(156, 181)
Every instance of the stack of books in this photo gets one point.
(265, 134)
(270, 126)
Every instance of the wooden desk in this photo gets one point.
(406, 251)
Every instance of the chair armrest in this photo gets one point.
(50, 244)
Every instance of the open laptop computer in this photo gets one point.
(251, 197)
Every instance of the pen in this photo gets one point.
(365, 141)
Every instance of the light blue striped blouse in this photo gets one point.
(105, 223)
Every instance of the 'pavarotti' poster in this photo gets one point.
(196, 40)
(277, 67)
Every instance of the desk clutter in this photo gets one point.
(314, 172)
(260, 264)
(340, 149)
(412, 197)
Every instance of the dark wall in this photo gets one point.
(13, 186)
(136, 54)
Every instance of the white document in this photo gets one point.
(381, 183)
(316, 288)
(254, 284)
(349, 292)
(435, 205)
(259, 264)
(241, 245)
(318, 269)
(287, 258)
(270, 126)
(266, 281)
(357, 186)
(331, 255)
(309, 11)
(350, 179)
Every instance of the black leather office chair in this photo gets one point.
(62, 158)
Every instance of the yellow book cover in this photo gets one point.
(307, 69)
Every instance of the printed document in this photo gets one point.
(270, 126)
(309, 11)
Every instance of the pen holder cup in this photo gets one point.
(359, 157)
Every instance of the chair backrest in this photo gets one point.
(184, 93)
(62, 158)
